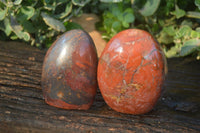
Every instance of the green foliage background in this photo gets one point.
(174, 23)
(38, 21)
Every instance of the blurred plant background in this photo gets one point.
(38, 22)
(174, 23)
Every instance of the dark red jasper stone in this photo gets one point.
(69, 74)
(131, 72)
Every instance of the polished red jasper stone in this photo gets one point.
(131, 72)
(69, 74)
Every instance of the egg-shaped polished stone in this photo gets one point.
(131, 72)
(69, 73)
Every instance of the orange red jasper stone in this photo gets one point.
(131, 71)
(69, 73)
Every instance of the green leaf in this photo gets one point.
(192, 14)
(120, 17)
(189, 47)
(116, 11)
(172, 52)
(3, 13)
(108, 15)
(155, 28)
(125, 24)
(72, 25)
(26, 36)
(3, 2)
(178, 12)
(8, 28)
(80, 2)
(129, 18)
(107, 24)
(161, 22)
(36, 15)
(165, 38)
(59, 2)
(9, 4)
(50, 7)
(183, 31)
(197, 3)
(5, 26)
(150, 7)
(197, 29)
(28, 26)
(53, 23)
(67, 11)
(169, 30)
(17, 2)
(187, 22)
(25, 13)
(195, 34)
(22, 35)
(111, 1)
(51, 34)
(17, 29)
(129, 10)
(116, 26)
(14, 37)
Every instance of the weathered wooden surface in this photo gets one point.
(22, 107)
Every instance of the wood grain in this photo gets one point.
(22, 107)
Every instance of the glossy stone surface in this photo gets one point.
(69, 74)
(131, 72)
